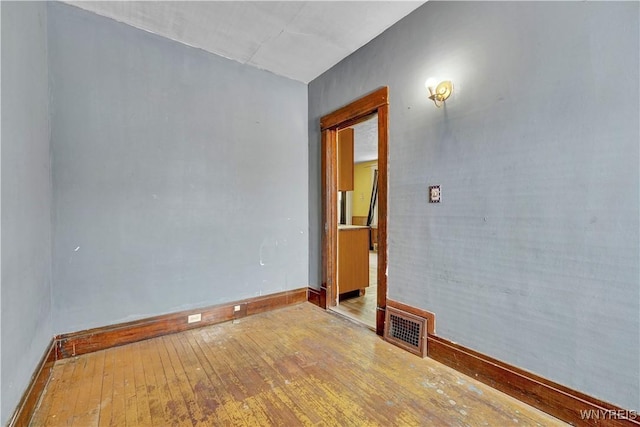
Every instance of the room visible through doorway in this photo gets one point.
(357, 242)
(357, 213)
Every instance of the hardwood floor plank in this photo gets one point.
(142, 398)
(243, 387)
(118, 404)
(176, 406)
(213, 381)
(104, 419)
(289, 362)
(156, 394)
(276, 397)
(395, 396)
(131, 404)
(60, 379)
(87, 409)
(292, 393)
(62, 411)
(195, 411)
(228, 383)
(206, 397)
(294, 366)
(80, 386)
(323, 372)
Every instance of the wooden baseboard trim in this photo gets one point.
(431, 318)
(313, 296)
(27, 406)
(82, 342)
(562, 402)
(555, 399)
(323, 297)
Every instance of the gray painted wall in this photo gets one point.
(26, 199)
(532, 256)
(1, 418)
(179, 177)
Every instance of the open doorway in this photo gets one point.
(357, 251)
(372, 108)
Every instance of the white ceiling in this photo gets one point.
(365, 140)
(295, 39)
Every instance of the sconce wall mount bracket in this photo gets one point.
(441, 92)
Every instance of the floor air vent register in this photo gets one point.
(406, 330)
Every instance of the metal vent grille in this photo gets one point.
(406, 330)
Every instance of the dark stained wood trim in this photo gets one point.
(383, 155)
(323, 297)
(91, 340)
(376, 102)
(27, 406)
(362, 107)
(356, 120)
(313, 296)
(329, 216)
(431, 318)
(552, 398)
(269, 302)
(560, 401)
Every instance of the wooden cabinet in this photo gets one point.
(353, 258)
(345, 160)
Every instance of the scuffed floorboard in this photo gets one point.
(294, 366)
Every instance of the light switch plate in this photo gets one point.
(434, 194)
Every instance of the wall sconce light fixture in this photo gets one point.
(439, 92)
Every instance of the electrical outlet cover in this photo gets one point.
(194, 318)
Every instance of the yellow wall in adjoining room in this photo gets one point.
(362, 186)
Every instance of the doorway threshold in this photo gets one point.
(351, 317)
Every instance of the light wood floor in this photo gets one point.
(363, 309)
(294, 366)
